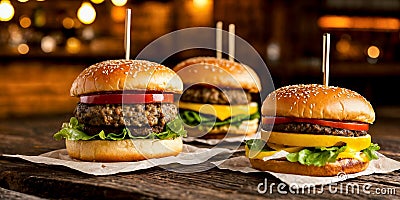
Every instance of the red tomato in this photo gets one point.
(335, 124)
(127, 98)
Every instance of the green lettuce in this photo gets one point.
(371, 151)
(74, 131)
(194, 118)
(317, 156)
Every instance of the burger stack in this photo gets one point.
(324, 129)
(227, 88)
(126, 112)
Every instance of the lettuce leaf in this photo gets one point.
(371, 151)
(194, 118)
(74, 131)
(317, 156)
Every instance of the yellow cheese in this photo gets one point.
(262, 154)
(354, 144)
(222, 112)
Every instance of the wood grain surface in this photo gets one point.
(20, 179)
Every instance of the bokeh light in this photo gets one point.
(200, 3)
(68, 23)
(119, 2)
(118, 14)
(23, 48)
(25, 22)
(86, 13)
(373, 52)
(73, 45)
(97, 1)
(6, 10)
(48, 44)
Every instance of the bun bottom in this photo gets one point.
(348, 166)
(122, 150)
(248, 127)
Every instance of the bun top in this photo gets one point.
(218, 72)
(119, 75)
(318, 102)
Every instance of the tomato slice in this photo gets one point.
(127, 98)
(358, 126)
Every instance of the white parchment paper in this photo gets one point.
(190, 155)
(217, 141)
(242, 164)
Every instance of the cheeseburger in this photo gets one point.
(323, 129)
(230, 91)
(125, 113)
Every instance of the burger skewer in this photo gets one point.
(232, 42)
(218, 41)
(127, 34)
(325, 57)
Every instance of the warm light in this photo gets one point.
(48, 44)
(373, 52)
(25, 22)
(23, 1)
(367, 23)
(118, 13)
(88, 33)
(68, 23)
(97, 1)
(343, 46)
(73, 45)
(273, 51)
(200, 3)
(23, 48)
(86, 13)
(119, 2)
(6, 10)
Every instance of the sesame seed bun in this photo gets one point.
(218, 72)
(318, 102)
(118, 75)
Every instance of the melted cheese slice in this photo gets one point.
(222, 112)
(354, 144)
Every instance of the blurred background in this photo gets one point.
(45, 44)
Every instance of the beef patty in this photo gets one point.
(314, 129)
(214, 95)
(112, 118)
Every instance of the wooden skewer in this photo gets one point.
(232, 42)
(325, 57)
(218, 41)
(127, 42)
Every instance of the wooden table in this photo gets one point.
(20, 179)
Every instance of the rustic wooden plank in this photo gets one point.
(33, 136)
(9, 194)
(158, 183)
